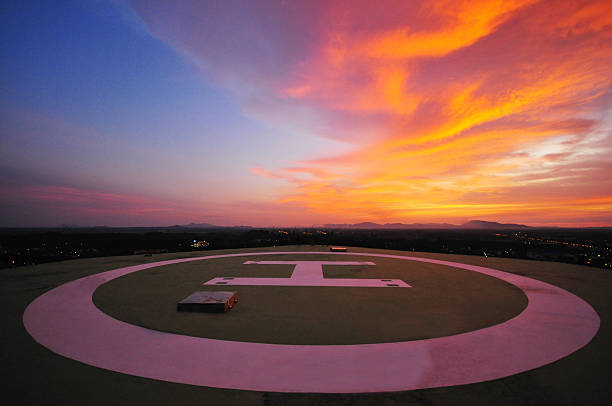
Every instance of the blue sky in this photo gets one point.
(118, 112)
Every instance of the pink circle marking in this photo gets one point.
(553, 325)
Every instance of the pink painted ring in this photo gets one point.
(555, 324)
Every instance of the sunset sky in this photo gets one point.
(298, 113)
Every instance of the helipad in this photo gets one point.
(554, 324)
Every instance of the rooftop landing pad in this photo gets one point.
(453, 301)
(203, 301)
(555, 324)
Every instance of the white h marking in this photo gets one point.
(309, 273)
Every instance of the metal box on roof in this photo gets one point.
(208, 301)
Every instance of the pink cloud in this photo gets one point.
(60, 204)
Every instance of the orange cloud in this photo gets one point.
(447, 139)
(450, 110)
(457, 24)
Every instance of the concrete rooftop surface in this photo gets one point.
(464, 330)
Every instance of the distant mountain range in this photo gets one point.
(197, 225)
(205, 225)
(470, 225)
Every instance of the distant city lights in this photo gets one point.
(200, 244)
